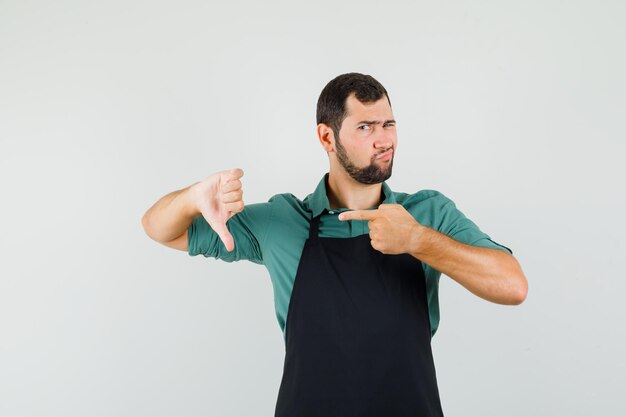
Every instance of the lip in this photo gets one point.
(385, 156)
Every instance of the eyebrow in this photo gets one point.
(374, 122)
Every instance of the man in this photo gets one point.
(355, 266)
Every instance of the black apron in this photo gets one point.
(358, 334)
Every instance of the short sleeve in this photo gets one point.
(248, 228)
(454, 224)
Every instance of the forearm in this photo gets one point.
(170, 216)
(488, 273)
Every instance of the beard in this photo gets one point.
(371, 174)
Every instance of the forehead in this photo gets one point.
(378, 110)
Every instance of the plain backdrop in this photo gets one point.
(515, 110)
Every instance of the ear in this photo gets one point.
(326, 137)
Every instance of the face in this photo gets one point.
(367, 141)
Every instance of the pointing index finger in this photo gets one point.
(359, 215)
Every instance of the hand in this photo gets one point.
(392, 229)
(218, 197)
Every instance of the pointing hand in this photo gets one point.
(393, 230)
(219, 197)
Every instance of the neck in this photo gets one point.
(344, 192)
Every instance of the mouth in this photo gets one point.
(385, 156)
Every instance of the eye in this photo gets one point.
(364, 127)
(390, 124)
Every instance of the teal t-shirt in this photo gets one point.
(273, 234)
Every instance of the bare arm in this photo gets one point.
(217, 198)
(488, 273)
(491, 274)
(169, 218)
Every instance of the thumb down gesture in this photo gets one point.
(219, 197)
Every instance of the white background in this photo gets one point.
(515, 110)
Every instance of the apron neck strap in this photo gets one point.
(314, 227)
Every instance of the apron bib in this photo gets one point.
(357, 334)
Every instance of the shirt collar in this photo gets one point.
(318, 200)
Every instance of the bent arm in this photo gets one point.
(491, 274)
(169, 218)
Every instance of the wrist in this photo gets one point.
(417, 241)
(190, 200)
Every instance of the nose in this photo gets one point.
(384, 139)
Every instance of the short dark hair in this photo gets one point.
(331, 105)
